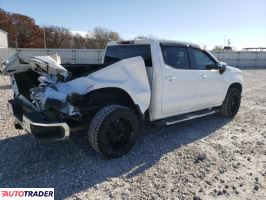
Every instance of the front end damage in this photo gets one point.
(37, 124)
(50, 104)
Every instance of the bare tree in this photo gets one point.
(57, 37)
(217, 48)
(23, 31)
(78, 42)
(100, 37)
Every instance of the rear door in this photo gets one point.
(211, 82)
(180, 83)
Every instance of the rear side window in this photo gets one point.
(176, 57)
(116, 53)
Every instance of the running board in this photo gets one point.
(186, 117)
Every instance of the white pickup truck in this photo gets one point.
(158, 81)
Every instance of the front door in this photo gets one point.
(211, 82)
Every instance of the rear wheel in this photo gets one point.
(231, 103)
(113, 130)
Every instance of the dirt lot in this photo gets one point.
(207, 158)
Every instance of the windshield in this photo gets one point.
(118, 52)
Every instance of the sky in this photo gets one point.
(205, 22)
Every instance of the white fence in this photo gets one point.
(241, 59)
(92, 56)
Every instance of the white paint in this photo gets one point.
(166, 92)
(41, 64)
(177, 91)
(128, 74)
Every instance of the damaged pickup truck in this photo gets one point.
(140, 81)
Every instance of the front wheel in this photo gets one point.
(231, 103)
(113, 130)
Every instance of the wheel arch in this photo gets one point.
(225, 107)
(116, 95)
(236, 85)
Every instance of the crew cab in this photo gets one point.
(141, 81)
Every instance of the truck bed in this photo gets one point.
(78, 70)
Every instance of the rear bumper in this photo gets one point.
(36, 124)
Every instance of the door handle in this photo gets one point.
(203, 76)
(170, 78)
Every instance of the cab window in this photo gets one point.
(201, 59)
(119, 52)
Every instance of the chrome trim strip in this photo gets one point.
(191, 117)
(27, 122)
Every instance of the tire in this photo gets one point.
(113, 131)
(231, 103)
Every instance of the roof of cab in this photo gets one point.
(150, 41)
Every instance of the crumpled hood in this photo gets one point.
(40, 64)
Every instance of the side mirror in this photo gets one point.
(221, 66)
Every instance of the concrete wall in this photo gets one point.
(241, 59)
(3, 39)
(92, 56)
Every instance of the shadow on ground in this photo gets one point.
(71, 167)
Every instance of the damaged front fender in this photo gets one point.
(54, 88)
(128, 74)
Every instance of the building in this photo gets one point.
(228, 48)
(3, 39)
(254, 49)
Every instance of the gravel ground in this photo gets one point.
(206, 158)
